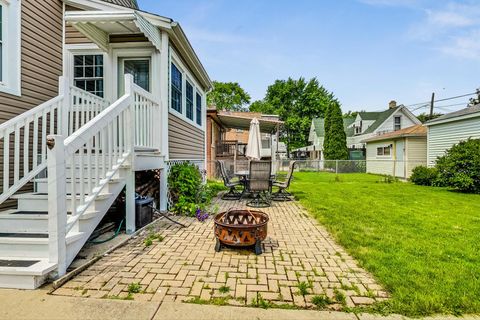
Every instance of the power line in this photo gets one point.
(444, 99)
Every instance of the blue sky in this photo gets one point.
(366, 52)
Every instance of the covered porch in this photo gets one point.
(227, 137)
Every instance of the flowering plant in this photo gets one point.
(201, 215)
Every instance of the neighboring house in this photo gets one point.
(364, 126)
(227, 136)
(397, 153)
(131, 97)
(317, 136)
(450, 129)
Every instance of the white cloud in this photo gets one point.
(452, 28)
(465, 46)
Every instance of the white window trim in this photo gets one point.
(186, 76)
(384, 156)
(394, 124)
(11, 39)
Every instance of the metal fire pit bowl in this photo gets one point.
(241, 228)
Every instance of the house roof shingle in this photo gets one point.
(319, 126)
(417, 130)
(463, 112)
(380, 117)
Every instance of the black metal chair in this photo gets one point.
(259, 183)
(233, 193)
(282, 194)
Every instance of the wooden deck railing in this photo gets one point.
(227, 148)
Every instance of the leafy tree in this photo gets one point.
(296, 102)
(228, 96)
(424, 117)
(352, 114)
(335, 143)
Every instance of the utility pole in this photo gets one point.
(431, 104)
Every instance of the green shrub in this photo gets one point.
(187, 191)
(459, 168)
(185, 187)
(424, 176)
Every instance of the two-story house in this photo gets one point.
(364, 126)
(90, 92)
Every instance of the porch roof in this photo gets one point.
(241, 120)
(99, 25)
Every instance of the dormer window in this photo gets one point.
(397, 124)
(358, 129)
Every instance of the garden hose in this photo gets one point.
(111, 238)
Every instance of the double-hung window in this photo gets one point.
(397, 123)
(189, 100)
(88, 73)
(383, 151)
(199, 109)
(10, 47)
(176, 84)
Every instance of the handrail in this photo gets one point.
(24, 152)
(147, 118)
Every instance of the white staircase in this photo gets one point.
(88, 156)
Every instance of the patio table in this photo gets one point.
(243, 176)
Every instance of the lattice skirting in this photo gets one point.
(199, 163)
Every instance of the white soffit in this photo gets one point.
(98, 25)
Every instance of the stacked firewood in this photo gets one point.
(148, 184)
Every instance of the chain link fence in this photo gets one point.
(399, 169)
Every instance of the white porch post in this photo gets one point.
(163, 190)
(64, 90)
(57, 207)
(164, 106)
(130, 179)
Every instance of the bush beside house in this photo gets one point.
(459, 168)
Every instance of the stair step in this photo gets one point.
(44, 196)
(14, 263)
(41, 184)
(24, 273)
(35, 201)
(24, 235)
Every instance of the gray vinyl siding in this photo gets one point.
(185, 141)
(41, 62)
(72, 35)
(443, 136)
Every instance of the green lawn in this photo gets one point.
(421, 243)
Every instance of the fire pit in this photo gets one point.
(241, 228)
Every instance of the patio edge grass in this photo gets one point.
(420, 243)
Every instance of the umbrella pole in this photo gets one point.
(235, 157)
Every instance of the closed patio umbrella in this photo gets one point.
(254, 141)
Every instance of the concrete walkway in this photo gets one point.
(19, 304)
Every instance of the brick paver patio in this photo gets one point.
(298, 252)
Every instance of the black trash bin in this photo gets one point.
(143, 211)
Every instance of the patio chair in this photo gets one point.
(259, 184)
(233, 193)
(282, 194)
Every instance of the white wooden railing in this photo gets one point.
(24, 137)
(23, 140)
(147, 119)
(92, 155)
(84, 106)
